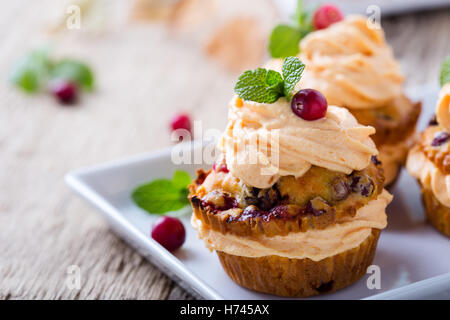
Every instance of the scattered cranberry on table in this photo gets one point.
(309, 104)
(65, 91)
(326, 15)
(181, 121)
(169, 232)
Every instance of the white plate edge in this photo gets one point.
(173, 267)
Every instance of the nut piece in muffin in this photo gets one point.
(429, 163)
(310, 225)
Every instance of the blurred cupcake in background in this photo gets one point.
(429, 160)
(352, 65)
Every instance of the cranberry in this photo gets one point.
(218, 201)
(181, 121)
(326, 15)
(221, 168)
(309, 104)
(375, 160)
(340, 189)
(169, 232)
(250, 212)
(433, 121)
(65, 91)
(440, 138)
(278, 212)
(363, 185)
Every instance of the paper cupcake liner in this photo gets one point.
(301, 277)
(437, 214)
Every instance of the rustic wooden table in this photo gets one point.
(144, 74)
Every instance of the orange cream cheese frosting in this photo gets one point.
(263, 142)
(420, 167)
(443, 107)
(313, 244)
(350, 63)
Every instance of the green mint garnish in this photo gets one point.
(163, 195)
(292, 73)
(260, 85)
(74, 70)
(284, 39)
(31, 72)
(267, 86)
(445, 71)
(35, 69)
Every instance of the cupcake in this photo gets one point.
(429, 163)
(354, 67)
(295, 203)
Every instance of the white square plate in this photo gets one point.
(414, 259)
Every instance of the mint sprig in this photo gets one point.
(36, 68)
(284, 39)
(74, 70)
(260, 85)
(163, 195)
(292, 73)
(267, 86)
(31, 72)
(444, 76)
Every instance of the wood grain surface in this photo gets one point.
(145, 73)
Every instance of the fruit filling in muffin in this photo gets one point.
(321, 195)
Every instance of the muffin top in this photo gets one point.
(316, 200)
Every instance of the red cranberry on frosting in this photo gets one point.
(309, 104)
(326, 15)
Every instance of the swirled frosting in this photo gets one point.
(350, 63)
(420, 167)
(265, 141)
(443, 107)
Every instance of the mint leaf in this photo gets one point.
(163, 195)
(284, 41)
(74, 70)
(260, 85)
(181, 179)
(266, 86)
(303, 18)
(445, 71)
(31, 72)
(292, 73)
